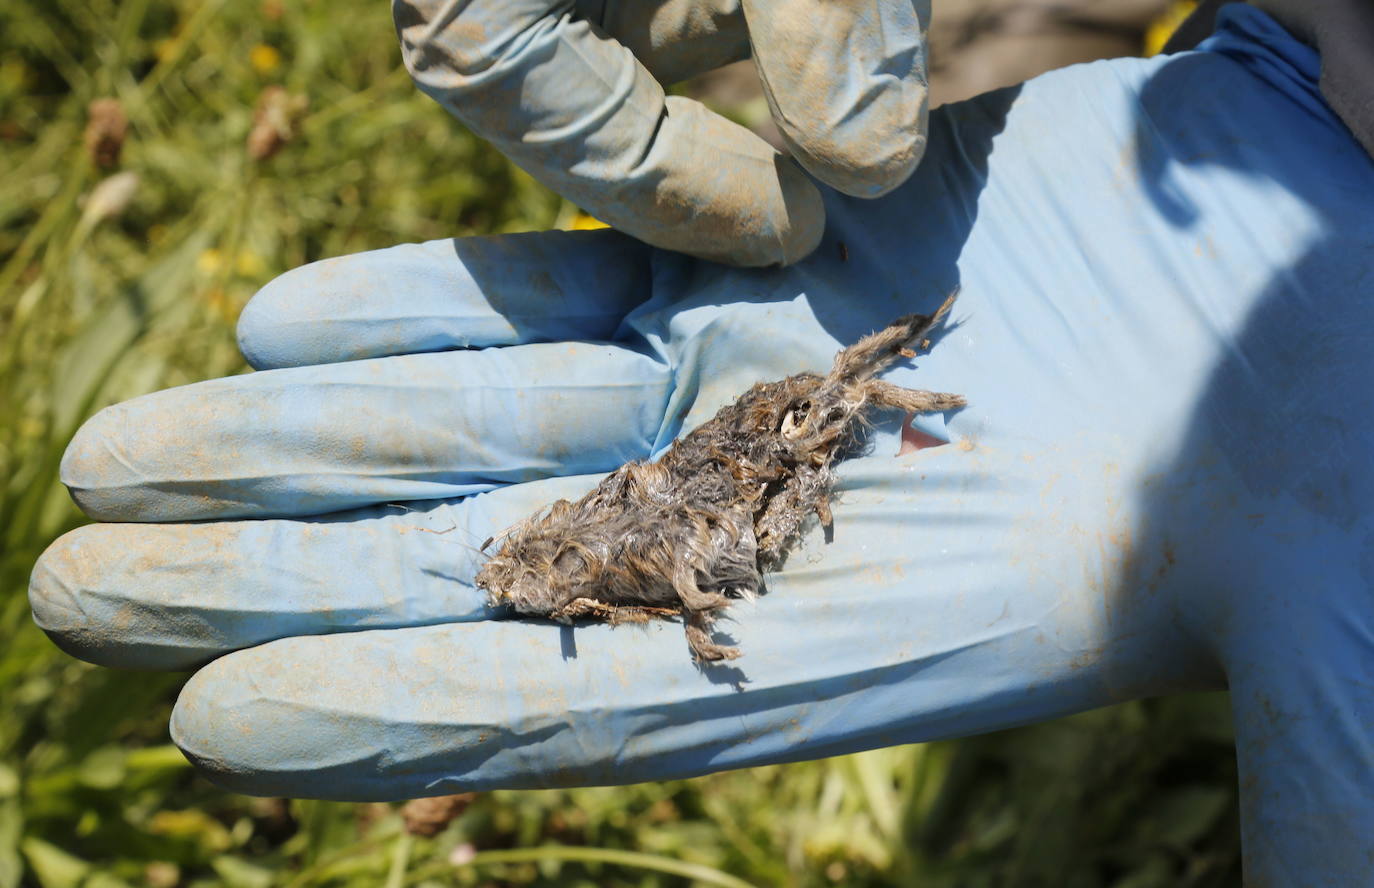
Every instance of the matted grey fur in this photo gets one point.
(688, 534)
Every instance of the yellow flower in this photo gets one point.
(264, 59)
(209, 261)
(586, 222)
(250, 264)
(1162, 28)
(245, 263)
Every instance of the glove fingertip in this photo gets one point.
(271, 325)
(866, 159)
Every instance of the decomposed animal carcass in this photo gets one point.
(686, 535)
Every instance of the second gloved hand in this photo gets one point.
(573, 92)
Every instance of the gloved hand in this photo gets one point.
(1161, 481)
(572, 91)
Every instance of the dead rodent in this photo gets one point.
(687, 534)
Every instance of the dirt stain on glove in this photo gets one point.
(689, 534)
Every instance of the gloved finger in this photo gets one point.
(574, 108)
(846, 83)
(850, 84)
(312, 440)
(948, 601)
(446, 294)
(173, 596)
(673, 39)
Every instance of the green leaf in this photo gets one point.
(105, 880)
(103, 768)
(156, 758)
(11, 828)
(194, 824)
(239, 873)
(54, 867)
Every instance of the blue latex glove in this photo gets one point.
(571, 90)
(1161, 482)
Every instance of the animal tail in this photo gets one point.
(877, 351)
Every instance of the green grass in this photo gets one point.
(99, 306)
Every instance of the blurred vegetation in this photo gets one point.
(260, 136)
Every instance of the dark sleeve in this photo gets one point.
(1342, 32)
(1196, 27)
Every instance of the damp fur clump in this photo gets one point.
(690, 533)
